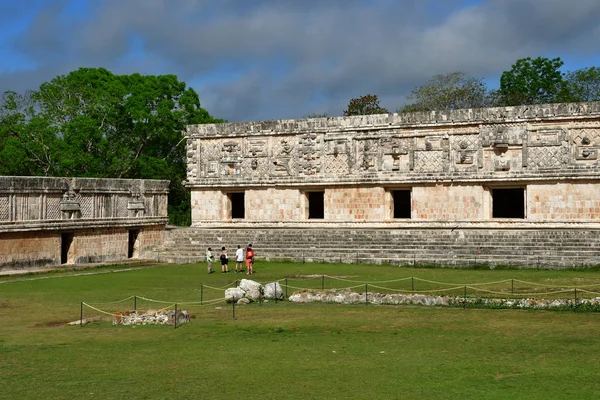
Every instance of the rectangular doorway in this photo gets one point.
(66, 241)
(133, 245)
(402, 203)
(316, 205)
(508, 203)
(237, 201)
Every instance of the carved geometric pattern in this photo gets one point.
(4, 216)
(465, 142)
(258, 166)
(85, 205)
(53, 207)
(547, 157)
(432, 160)
(367, 155)
(335, 164)
(309, 159)
(592, 135)
(122, 202)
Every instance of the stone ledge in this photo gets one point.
(54, 225)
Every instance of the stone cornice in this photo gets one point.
(475, 116)
(65, 225)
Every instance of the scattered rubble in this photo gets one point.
(150, 317)
(349, 297)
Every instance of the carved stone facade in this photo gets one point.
(52, 221)
(539, 162)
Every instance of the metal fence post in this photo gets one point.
(81, 315)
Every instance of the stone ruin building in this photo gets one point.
(53, 221)
(515, 185)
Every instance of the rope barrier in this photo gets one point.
(118, 301)
(546, 285)
(519, 294)
(100, 311)
(462, 284)
(368, 282)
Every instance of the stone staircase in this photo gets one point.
(535, 248)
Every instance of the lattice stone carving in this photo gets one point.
(547, 157)
(432, 160)
(4, 209)
(465, 149)
(53, 207)
(337, 165)
(586, 144)
(210, 152)
(86, 203)
(121, 206)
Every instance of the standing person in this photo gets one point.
(239, 259)
(249, 260)
(209, 260)
(224, 260)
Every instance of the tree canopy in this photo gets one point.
(533, 81)
(94, 123)
(364, 105)
(448, 92)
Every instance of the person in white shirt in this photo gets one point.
(239, 259)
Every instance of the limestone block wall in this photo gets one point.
(275, 205)
(356, 204)
(570, 201)
(29, 249)
(209, 205)
(448, 202)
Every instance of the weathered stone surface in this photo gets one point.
(234, 294)
(243, 300)
(273, 290)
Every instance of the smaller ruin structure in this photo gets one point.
(53, 221)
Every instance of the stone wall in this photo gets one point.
(451, 162)
(52, 221)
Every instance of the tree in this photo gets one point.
(584, 84)
(533, 81)
(448, 92)
(96, 124)
(364, 105)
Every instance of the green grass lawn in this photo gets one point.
(295, 351)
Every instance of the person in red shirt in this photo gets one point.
(249, 260)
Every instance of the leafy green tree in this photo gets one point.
(450, 91)
(584, 84)
(364, 105)
(533, 81)
(93, 123)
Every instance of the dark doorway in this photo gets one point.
(66, 240)
(133, 245)
(402, 207)
(508, 203)
(316, 205)
(237, 205)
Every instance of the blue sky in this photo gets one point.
(272, 59)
